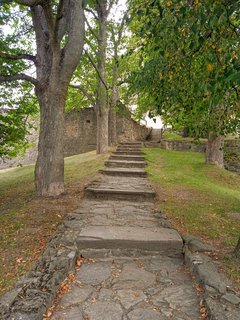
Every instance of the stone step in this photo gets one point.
(124, 172)
(130, 144)
(127, 157)
(128, 152)
(152, 144)
(162, 240)
(118, 194)
(128, 148)
(125, 164)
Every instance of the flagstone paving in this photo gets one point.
(136, 269)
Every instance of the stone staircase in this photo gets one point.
(137, 271)
(124, 179)
(129, 258)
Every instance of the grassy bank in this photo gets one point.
(200, 199)
(27, 222)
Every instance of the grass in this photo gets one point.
(199, 199)
(27, 222)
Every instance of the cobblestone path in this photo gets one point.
(135, 270)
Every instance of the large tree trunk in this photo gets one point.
(237, 249)
(102, 105)
(214, 150)
(54, 65)
(49, 170)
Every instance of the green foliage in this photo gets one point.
(86, 75)
(189, 69)
(17, 107)
(17, 101)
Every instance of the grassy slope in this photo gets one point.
(198, 198)
(27, 222)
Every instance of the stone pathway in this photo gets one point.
(136, 271)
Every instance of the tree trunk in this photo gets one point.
(49, 170)
(112, 127)
(112, 115)
(102, 130)
(102, 106)
(214, 151)
(55, 66)
(237, 249)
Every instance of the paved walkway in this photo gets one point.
(137, 269)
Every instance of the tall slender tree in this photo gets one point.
(97, 79)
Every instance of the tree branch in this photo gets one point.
(20, 76)
(90, 28)
(110, 7)
(73, 48)
(29, 3)
(95, 67)
(92, 12)
(59, 17)
(120, 32)
(18, 56)
(90, 45)
(88, 95)
(47, 9)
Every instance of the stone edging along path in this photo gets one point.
(137, 273)
(221, 300)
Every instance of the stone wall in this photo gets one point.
(80, 131)
(130, 130)
(232, 155)
(81, 135)
(232, 145)
(183, 145)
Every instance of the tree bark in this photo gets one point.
(237, 249)
(214, 150)
(49, 170)
(102, 105)
(114, 98)
(116, 39)
(112, 126)
(112, 112)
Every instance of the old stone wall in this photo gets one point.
(130, 130)
(232, 145)
(80, 131)
(183, 145)
(81, 135)
(232, 155)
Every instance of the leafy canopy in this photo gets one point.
(188, 69)
(17, 103)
